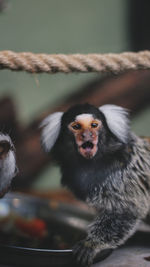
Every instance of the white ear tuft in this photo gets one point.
(117, 121)
(51, 128)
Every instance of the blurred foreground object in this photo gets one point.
(61, 224)
(7, 163)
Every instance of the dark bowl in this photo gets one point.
(66, 219)
(22, 256)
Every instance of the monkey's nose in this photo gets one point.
(86, 135)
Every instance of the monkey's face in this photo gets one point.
(85, 129)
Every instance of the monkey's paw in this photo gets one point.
(84, 252)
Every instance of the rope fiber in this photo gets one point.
(102, 63)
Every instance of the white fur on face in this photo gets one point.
(6, 138)
(84, 116)
(117, 121)
(7, 170)
(51, 128)
(84, 119)
(7, 165)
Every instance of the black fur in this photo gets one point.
(83, 175)
(116, 181)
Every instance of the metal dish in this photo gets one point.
(67, 220)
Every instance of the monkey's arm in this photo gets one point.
(108, 230)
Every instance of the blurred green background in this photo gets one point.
(54, 26)
(60, 26)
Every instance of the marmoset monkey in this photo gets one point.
(105, 164)
(8, 167)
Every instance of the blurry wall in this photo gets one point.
(54, 26)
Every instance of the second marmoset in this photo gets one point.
(105, 164)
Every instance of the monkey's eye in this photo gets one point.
(76, 126)
(94, 124)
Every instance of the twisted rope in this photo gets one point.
(38, 63)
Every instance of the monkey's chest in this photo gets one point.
(84, 183)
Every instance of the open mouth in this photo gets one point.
(87, 145)
(88, 149)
